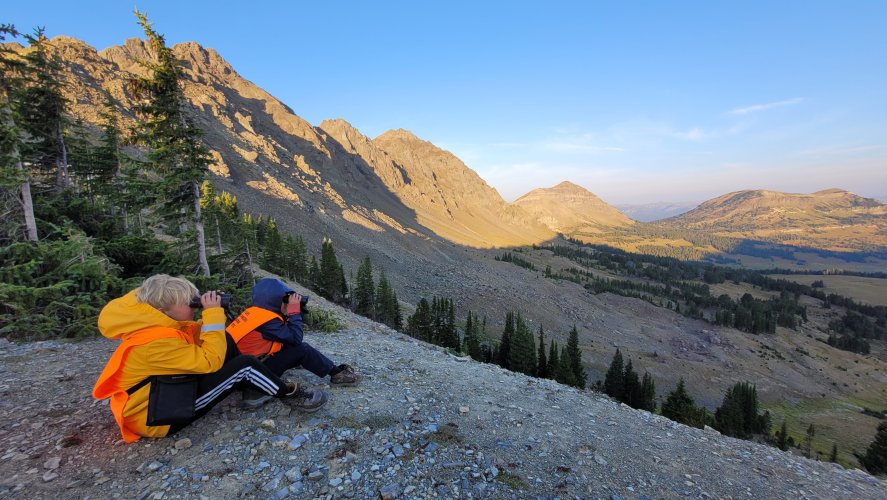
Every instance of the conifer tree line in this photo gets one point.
(376, 301)
(517, 350)
(738, 415)
(79, 211)
(622, 384)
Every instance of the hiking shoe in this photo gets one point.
(346, 377)
(254, 398)
(306, 400)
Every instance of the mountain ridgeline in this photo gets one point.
(406, 188)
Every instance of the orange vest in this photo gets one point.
(108, 383)
(249, 321)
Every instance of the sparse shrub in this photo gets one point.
(323, 321)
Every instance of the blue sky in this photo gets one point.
(637, 101)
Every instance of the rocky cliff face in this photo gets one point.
(396, 183)
(567, 208)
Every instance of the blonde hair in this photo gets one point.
(162, 291)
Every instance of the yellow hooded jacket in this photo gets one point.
(153, 344)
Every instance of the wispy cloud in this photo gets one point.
(754, 108)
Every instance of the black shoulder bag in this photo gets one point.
(171, 400)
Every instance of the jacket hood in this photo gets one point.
(268, 294)
(126, 315)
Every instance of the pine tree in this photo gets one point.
(387, 308)
(738, 414)
(680, 407)
(176, 152)
(15, 183)
(396, 316)
(553, 359)
(364, 291)
(44, 111)
(542, 361)
(631, 392)
(331, 273)
(472, 337)
(833, 456)
(314, 276)
(576, 358)
(875, 458)
(648, 394)
(614, 381)
(522, 351)
(449, 338)
(420, 324)
(505, 342)
(808, 441)
(782, 435)
(342, 286)
(564, 371)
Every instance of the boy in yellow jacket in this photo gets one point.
(159, 337)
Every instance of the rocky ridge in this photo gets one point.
(424, 424)
(262, 148)
(832, 218)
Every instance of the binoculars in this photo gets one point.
(226, 301)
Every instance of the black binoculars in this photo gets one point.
(226, 301)
(303, 301)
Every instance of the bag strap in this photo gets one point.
(138, 386)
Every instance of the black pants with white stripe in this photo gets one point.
(238, 371)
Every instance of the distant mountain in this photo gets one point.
(567, 208)
(649, 212)
(831, 219)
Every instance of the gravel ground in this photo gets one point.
(423, 424)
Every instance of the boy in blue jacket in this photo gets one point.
(272, 330)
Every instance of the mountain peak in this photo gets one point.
(571, 187)
(568, 207)
(399, 134)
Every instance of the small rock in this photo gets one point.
(463, 410)
(281, 494)
(315, 476)
(297, 442)
(268, 424)
(390, 491)
(294, 475)
(183, 444)
(600, 460)
(49, 476)
(335, 482)
(355, 476)
(53, 463)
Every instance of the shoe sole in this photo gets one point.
(255, 403)
(308, 410)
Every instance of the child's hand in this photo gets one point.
(294, 306)
(211, 299)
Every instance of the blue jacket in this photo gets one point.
(268, 294)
